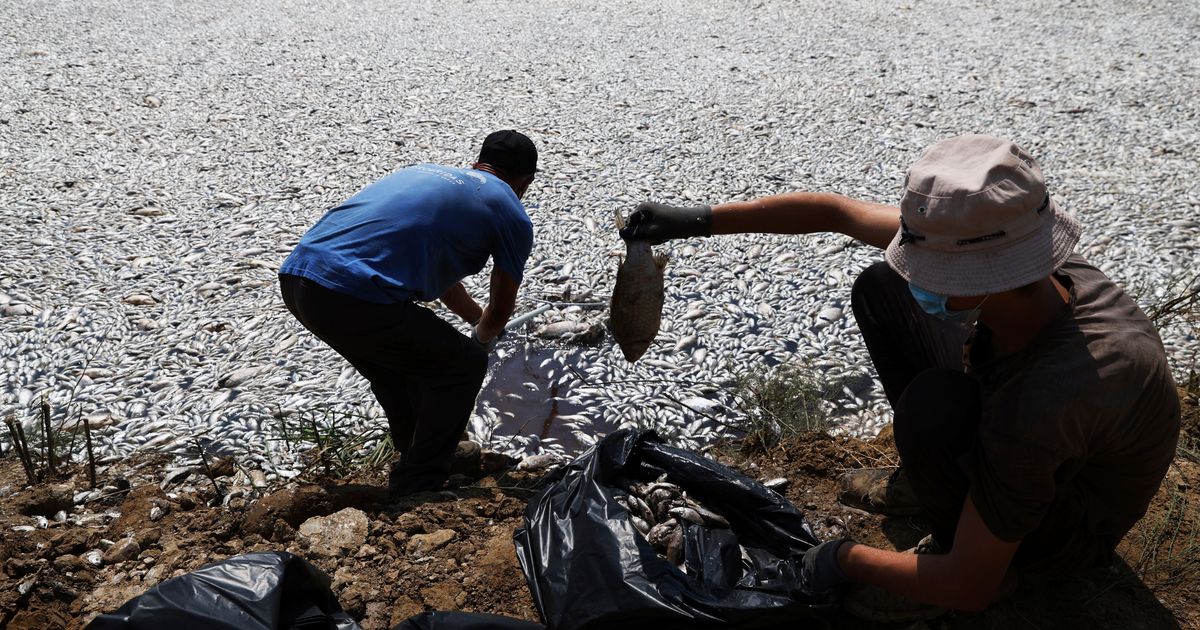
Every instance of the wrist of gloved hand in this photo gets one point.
(659, 222)
(487, 345)
(821, 569)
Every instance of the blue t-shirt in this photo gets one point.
(414, 233)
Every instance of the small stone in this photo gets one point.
(153, 576)
(258, 479)
(410, 523)
(94, 558)
(126, 549)
(282, 532)
(68, 563)
(336, 534)
(422, 544)
(157, 513)
(224, 467)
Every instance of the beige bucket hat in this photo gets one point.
(976, 219)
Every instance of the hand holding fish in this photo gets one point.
(658, 222)
(636, 306)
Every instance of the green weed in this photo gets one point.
(335, 442)
(782, 403)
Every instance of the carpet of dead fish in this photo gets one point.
(157, 163)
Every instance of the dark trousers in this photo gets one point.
(936, 412)
(424, 373)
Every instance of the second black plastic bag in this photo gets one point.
(453, 620)
(269, 590)
(589, 567)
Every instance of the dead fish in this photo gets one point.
(687, 514)
(711, 518)
(539, 462)
(637, 299)
(641, 508)
(778, 484)
(561, 329)
(660, 534)
(674, 552)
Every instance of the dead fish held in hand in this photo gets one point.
(637, 299)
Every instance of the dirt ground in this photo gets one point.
(454, 550)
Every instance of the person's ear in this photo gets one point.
(523, 185)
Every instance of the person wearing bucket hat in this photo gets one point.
(1033, 408)
(356, 277)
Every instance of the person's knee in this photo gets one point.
(938, 404)
(875, 280)
(475, 362)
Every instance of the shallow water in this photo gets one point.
(520, 389)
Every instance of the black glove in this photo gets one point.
(821, 572)
(658, 223)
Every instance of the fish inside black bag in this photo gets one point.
(588, 566)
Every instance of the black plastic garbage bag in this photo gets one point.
(588, 567)
(465, 621)
(272, 590)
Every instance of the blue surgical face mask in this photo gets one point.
(935, 304)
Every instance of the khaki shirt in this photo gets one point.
(1089, 408)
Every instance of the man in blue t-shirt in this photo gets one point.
(355, 278)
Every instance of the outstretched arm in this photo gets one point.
(789, 213)
(806, 213)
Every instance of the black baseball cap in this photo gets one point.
(511, 151)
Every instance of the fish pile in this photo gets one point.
(637, 298)
(147, 219)
(660, 509)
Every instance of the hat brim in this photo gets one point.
(1014, 265)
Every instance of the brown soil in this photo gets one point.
(469, 563)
